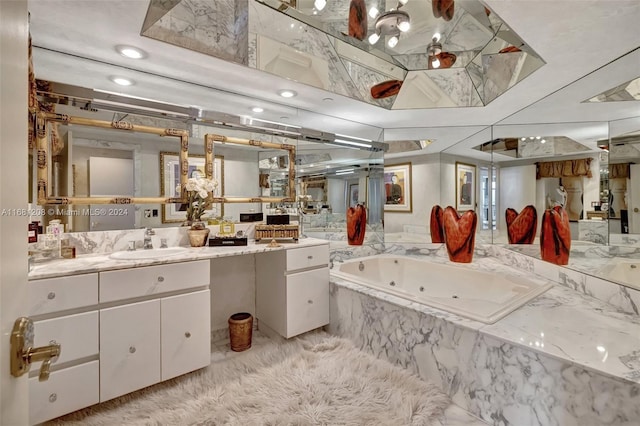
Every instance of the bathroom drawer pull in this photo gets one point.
(51, 296)
(53, 397)
(160, 279)
(309, 257)
(187, 334)
(132, 349)
(310, 302)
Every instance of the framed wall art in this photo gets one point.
(465, 186)
(397, 187)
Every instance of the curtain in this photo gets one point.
(619, 170)
(564, 168)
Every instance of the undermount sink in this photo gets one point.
(148, 254)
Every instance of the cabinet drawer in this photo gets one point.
(307, 301)
(77, 335)
(148, 280)
(185, 333)
(307, 257)
(129, 348)
(59, 294)
(66, 391)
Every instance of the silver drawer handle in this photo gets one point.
(310, 302)
(160, 279)
(309, 257)
(187, 334)
(132, 349)
(53, 397)
(51, 296)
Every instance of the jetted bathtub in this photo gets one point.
(479, 295)
(626, 272)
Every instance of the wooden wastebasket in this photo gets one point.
(240, 331)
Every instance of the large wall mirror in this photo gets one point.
(588, 167)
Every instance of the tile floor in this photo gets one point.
(453, 415)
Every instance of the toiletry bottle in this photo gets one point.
(33, 232)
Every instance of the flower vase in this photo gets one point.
(198, 235)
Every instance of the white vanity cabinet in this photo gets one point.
(292, 289)
(65, 310)
(119, 331)
(153, 340)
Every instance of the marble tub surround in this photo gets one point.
(622, 297)
(562, 359)
(102, 262)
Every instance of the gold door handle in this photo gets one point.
(23, 354)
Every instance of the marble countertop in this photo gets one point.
(561, 323)
(102, 262)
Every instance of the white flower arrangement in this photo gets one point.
(198, 199)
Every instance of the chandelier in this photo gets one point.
(392, 23)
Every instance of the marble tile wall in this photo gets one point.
(502, 383)
(101, 242)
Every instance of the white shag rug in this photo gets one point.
(314, 380)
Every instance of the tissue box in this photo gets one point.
(277, 219)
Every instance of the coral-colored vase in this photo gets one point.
(460, 234)
(521, 228)
(555, 236)
(356, 225)
(435, 225)
(358, 19)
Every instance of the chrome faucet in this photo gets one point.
(146, 244)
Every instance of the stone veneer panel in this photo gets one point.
(502, 383)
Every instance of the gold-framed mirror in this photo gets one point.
(45, 173)
(290, 192)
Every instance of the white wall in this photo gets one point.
(425, 192)
(233, 288)
(517, 189)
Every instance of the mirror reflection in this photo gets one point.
(397, 55)
(576, 173)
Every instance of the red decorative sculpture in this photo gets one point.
(443, 9)
(555, 236)
(436, 225)
(521, 228)
(358, 19)
(446, 60)
(356, 225)
(460, 234)
(386, 89)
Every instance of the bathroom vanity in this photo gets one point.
(127, 324)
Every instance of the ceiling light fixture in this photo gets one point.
(433, 50)
(287, 93)
(257, 109)
(121, 81)
(131, 52)
(391, 23)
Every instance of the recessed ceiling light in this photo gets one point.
(121, 81)
(257, 109)
(131, 52)
(287, 93)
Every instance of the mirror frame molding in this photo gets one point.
(210, 139)
(42, 146)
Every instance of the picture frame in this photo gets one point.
(397, 185)
(170, 184)
(465, 180)
(354, 194)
